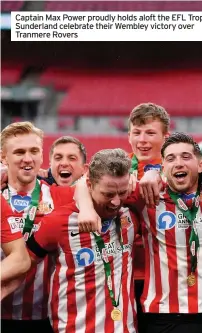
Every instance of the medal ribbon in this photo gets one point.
(29, 220)
(103, 252)
(190, 215)
(134, 165)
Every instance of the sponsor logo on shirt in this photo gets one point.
(166, 221)
(73, 234)
(198, 222)
(20, 222)
(85, 257)
(20, 203)
(111, 249)
(14, 225)
(182, 222)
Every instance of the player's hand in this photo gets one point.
(89, 221)
(132, 183)
(150, 186)
(4, 175)
(43, 173)
(10, 286)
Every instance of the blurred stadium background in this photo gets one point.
(88, 89)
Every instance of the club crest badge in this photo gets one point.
(125, 222)
(44, 208)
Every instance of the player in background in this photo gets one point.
(67, 162)
(17, 261)
(30, 199)
(148, 127)
(92, 286)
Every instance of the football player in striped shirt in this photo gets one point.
(30, 199)
(17, 261)
(92, 286)
(172, 231)
(148, 128)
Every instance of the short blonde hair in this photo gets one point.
(19, 128)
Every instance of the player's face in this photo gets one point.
(146, 140)
(23, 156)
(108, 195)
(181, 167)
(67, 164)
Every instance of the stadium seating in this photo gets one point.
(11, 73)
(66, 123)
(110, 93)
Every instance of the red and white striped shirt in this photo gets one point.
(166, 235)
(79, 298)
(29, 301)
(10, 230)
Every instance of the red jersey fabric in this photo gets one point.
(10, 230)
(79, 297)
(29, 301)
(166, 233)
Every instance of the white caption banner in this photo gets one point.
(106, 26)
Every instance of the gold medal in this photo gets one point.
(191, 280)
(116, 314)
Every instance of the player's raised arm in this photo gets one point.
(88, 219)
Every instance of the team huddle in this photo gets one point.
(115, 251)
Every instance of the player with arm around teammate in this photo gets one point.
(92, 286)
(30, 199)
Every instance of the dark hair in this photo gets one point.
(69, 139)
(145, 112)
(180, 138)
(113, 162)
